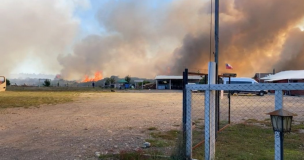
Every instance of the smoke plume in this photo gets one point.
(292, 54)
(252, 34)
(142, 39)
(36, 32)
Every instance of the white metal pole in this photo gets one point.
(277, 136)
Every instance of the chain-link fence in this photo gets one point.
(245, 130)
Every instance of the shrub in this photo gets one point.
(47, 83)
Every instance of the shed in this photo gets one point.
(174, 82)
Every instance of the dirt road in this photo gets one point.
(104, 122)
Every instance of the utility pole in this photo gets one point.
(216, 38)
(216, 34)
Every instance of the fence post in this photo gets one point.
(278, 136)
(185, 81)
(229, 102)
(210, 115)
(207, 125)
(188, 125)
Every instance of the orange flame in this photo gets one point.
(97, 77)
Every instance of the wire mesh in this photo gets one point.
(250, 134)
(198, 118)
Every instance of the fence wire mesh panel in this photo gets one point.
(224, 109)
(198, 112)
(250, 133)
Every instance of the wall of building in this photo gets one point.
(292, 92)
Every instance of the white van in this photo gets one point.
(193, 90)
(235, 80)
(2, 83)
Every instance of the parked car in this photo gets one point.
(235, 80)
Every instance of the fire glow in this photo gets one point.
(97, 77)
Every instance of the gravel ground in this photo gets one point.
(103, 122)
(112, 122)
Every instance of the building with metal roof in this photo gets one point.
(285, 75)
(293, 76)
(173, 82)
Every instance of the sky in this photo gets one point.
(146, 38)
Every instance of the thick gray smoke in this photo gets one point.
(251, 38)
(142, 39)
(292, 55)
(139, 40)
(34, 32)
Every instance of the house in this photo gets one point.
(258, 77)
(293, 76)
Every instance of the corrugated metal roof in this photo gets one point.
(177, 77)
(295, 74)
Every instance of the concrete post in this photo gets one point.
(210, 115)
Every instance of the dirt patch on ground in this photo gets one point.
(104, 122)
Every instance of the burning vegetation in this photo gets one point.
(97, 77)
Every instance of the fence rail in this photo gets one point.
(259, 86)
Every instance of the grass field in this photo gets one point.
(26, 99)
(251, 141)
(239, 141)
(35, 96)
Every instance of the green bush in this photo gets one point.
(47, 83)
(8, 82)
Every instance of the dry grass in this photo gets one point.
(35, 96)
(10, 99)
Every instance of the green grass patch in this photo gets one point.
(168, 135)
(10, 99)
(152, 128)
(135, 155)
(250, 141)
(158, 142)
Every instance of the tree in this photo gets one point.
(204, 80)
(146, 82)
(8, 82)
(112, 80)
(107, 81)
(128, 79)
(47, 83)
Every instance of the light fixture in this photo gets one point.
(281, 120)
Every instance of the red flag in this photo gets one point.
(228, 66)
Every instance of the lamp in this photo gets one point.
(281, 120)
(281, 123)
